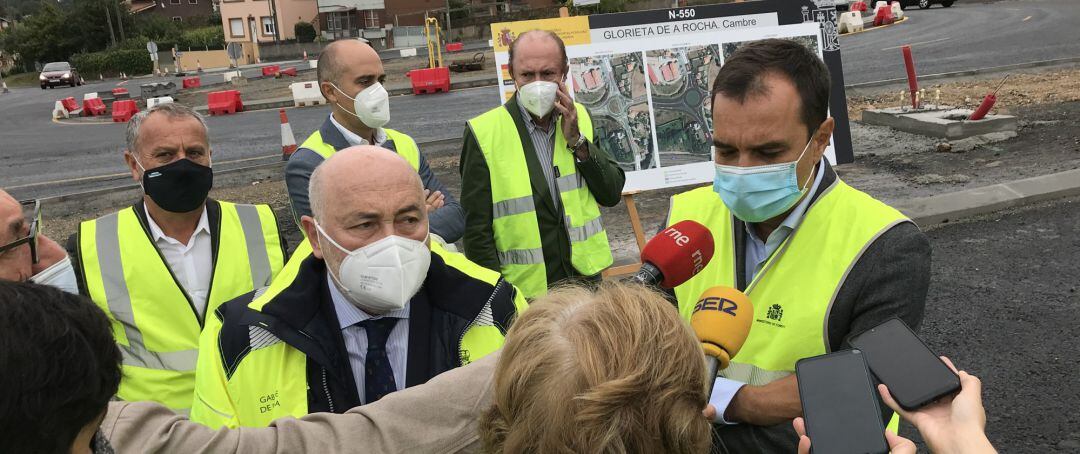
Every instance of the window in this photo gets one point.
(370, 18)
(236, 27)
(174, 2)
(177, 19)
(193, 2)
(267, 26)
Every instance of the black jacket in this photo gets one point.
(303, 316)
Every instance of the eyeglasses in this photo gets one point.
(32, 212)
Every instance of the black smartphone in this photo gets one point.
(839, 406)
(899, 359)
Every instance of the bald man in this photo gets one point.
(367, 306)
(350, 78)
(26, 254)
(533, 180)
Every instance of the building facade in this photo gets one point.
(177, 10)
(266, 20)
(399, 23)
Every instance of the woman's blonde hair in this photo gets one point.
(613, 370)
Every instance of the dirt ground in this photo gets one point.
(1019, 90)
(271, 88)
(889, 164)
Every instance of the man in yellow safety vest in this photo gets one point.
(819, 259)
(350, 78)
(533, 180)
(366, 306)
(158, 267)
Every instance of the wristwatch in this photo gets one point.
(579, 143)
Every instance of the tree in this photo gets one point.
(305, 32)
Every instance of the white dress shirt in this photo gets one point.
(191, 263)
(356, 343)
(354, 139)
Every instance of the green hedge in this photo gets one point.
(113, 62)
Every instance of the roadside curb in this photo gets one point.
(277, 103)
(879, 27)
(969, 72)
(944, 208)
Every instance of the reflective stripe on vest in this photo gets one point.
(794, 292)
(154, 322)
(403, 145)
(279, 370)
(514, 222)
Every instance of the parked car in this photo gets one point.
(59, 73)
(845, 5)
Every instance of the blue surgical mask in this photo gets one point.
(756, 194)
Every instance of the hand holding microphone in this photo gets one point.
(721, 321)
(675, 255)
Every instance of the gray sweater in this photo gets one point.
(448, 222)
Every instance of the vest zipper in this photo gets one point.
(461, 339)
(326, 389)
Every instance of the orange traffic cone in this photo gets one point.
(288, 141)
(305, 55)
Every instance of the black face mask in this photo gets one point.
(178, 187)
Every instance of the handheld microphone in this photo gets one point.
(675, 255)
(721, 321)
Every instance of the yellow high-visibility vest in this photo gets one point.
(514, 221)
(153, 320)
(794, 291)
(403, 144)
(271, 381)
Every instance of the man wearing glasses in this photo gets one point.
(533, 180)
(25, 253)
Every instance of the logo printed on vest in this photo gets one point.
(773, 316)
(268, 402)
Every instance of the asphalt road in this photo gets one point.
(1004, 304)
(39, 157)
(965, 36)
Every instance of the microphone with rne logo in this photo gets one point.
(721, 321)
(675, 255)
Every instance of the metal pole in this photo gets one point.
(448, 20)
(108, 19)
(120, 21)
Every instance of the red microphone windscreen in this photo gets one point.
(679, 251)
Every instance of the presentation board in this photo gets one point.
(645, 78)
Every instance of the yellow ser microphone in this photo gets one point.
(721, 321)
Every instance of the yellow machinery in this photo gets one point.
(434, 42)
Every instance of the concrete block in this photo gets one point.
(850, 22)
(230, 75)
(946, 123)
(410, 52)
(313, 64)
(151, 102)
(306, 94)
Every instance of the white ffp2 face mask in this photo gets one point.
(382, 276)
(538, 97)
(60, 275)
(371, 105)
